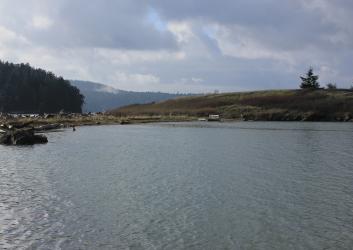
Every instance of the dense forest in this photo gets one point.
(24, 89)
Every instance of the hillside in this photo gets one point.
(100, 97)
(278, 105)
(24, 89)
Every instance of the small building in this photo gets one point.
(214, 118)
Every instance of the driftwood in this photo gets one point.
(48, 127)
(23, 136)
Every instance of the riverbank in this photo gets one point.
(64, 121)
(29, 129)
(277, 105)
(272, 105)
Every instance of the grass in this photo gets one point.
(325, 105)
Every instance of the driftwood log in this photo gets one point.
(22, 136)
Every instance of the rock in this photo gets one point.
(124, 122)
(5, 138)
(314, 116)
(22, 137)
(347, 118)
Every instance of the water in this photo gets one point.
(181, 186)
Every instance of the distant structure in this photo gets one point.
(214, 118)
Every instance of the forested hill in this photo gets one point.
(100, 97)
(24, 89)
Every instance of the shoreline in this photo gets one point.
(29, 130)
(96, 120)
(90, 120)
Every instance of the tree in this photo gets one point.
(331, 86)
(28, 90)
(310, 81)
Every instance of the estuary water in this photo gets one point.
(260, 185)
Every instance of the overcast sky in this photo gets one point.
(182, 45)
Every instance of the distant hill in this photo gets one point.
(24, 89)
(277, 105)
(100, 97)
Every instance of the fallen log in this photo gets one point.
(25, 136)
(47, 127)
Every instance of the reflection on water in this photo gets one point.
(181, 186)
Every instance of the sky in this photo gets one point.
(185, 45)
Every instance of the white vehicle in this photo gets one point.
(213, 118)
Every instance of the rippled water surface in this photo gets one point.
(181, 186)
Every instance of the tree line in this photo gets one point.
(24, 89)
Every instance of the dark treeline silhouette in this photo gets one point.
(24, 89)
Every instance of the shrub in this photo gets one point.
(331, 86)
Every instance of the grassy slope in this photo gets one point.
(326, 105)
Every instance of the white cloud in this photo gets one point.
(183, 46)
(41, 22)
(9, 37)
(134, 81)
(129, 57)
(182, 31)
(237, 41)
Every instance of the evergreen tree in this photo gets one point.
(310, 81)
(28, 90)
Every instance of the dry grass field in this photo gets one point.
(281, 105)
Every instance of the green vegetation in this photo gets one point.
(308, 104)
(278, 105)
(24, 89)
(310, 81)
(331, 86)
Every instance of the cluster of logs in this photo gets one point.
(20, 135)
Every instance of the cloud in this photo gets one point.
(139, 81)
(65, 23)
(199, 45)
(41, 22)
